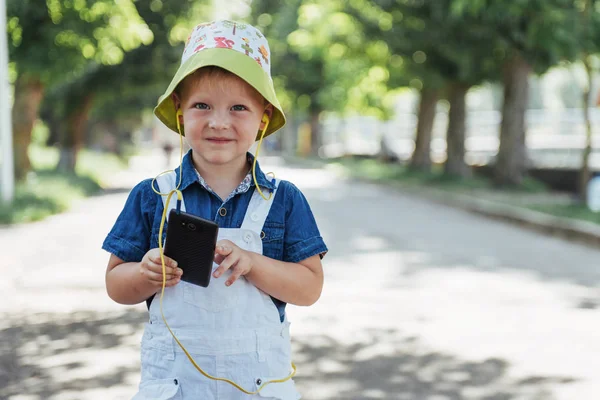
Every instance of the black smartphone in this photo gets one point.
(191, 241)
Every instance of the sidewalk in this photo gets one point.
(488, 204)
(421, 302)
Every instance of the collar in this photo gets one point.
(189, 173)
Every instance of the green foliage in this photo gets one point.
(297, 71)
(40, 133)
(430, 46)
(544, 32)
(322, 60)
(98, 166)
(49, 40)
(137, 81)
(46, 192)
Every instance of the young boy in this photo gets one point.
(269, 248)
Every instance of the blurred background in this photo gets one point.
(449, 148)
(461, 89)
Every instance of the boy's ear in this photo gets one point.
(266, 116)
(179, 115)
(177, 103)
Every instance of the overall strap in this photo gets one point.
(166, 183)
(258, 210)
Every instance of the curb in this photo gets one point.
(566, 228)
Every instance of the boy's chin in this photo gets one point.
(219, 159)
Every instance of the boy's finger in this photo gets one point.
(153, 277)
(169, 270)
(224, 249)
(235, 274)
(225, 265)
(155, 258)
(170, 262)
(157, 275)
(173, 282)
(219, 258)
(170, 279)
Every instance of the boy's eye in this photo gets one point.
(201, 106)
(239, 107)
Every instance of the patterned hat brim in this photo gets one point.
(234, 62)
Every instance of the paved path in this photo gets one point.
(421, 302)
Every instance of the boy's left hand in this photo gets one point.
(229, 256)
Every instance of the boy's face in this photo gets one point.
(221, 117)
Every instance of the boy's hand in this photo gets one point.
(230, 256)
(151, 269)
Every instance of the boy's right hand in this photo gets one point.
(151, 269)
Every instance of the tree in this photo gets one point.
(138, 80)
(399, 57)
(443, 59)
(117, 94)
(299, 66)
(590, 30)
(321, 58)
(57, 40)
(324, 61)
(532, 36)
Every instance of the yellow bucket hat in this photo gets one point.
(236, 47)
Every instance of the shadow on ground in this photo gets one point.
(45, 355)
(391, 366)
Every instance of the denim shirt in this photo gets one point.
(290, 231)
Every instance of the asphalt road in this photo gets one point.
(420, 302)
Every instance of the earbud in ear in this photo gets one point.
(265, 119)
(179, 120)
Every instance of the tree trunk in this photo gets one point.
(315, 132)
(74, 136)
(455, 135)
(29, 92)
(55, 126)
(511, 163)
(585, 173)
(421, 158)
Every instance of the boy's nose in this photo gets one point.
(219, 122)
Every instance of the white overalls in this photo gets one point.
(231, 332)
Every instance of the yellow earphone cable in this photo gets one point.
(266, 120)
(164, 273)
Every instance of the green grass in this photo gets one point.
(523, 196)
(96, 165)
(519, 196)
(47, 191)
(375, 170)
(574, 211)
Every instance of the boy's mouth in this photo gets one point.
(219, 140)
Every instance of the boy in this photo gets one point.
(269, 248)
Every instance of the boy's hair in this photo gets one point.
(214, 76)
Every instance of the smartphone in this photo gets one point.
(191, 241)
